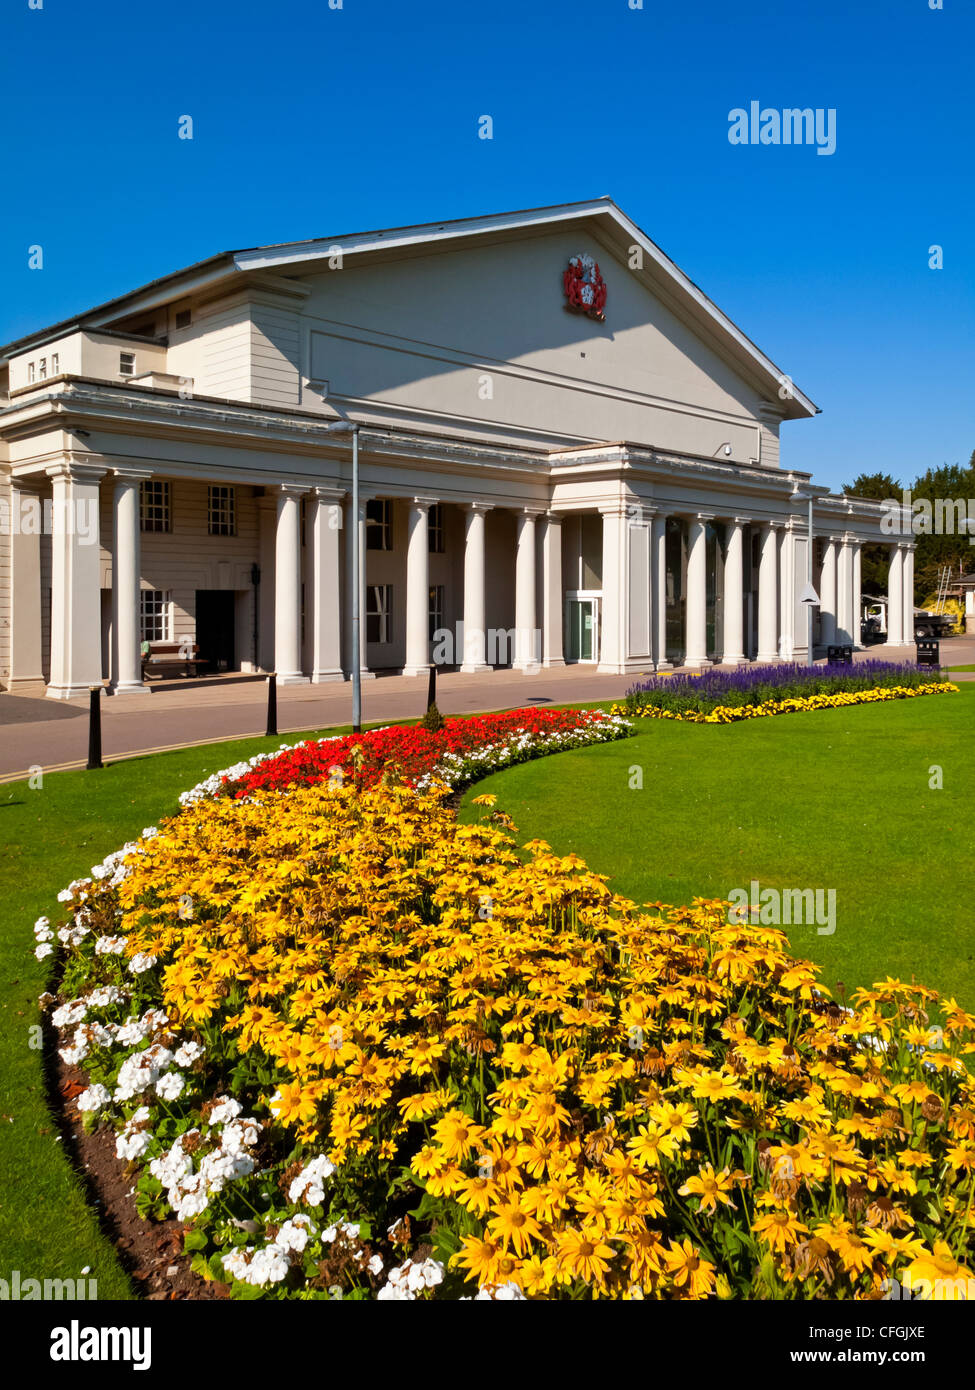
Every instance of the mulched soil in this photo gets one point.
(149, 1251)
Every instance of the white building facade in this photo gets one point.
(567, 454)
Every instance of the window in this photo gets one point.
(126, 364)
(156, 609)
(31, 373)
(379, 524)
(436, 608)
(154, 506)
(379, 613)
(183, 318)
(42, 369)
(435, 529)
(221, 510)
(55, 363)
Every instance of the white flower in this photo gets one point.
(189, 1053)
(170, 1086)
(43, 950)
(110, 945)
(94, 1098)
(141, 962)
(226, 1108)
(308, 1186)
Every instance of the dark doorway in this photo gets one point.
(215, 628)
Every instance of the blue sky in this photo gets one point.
(310, 121)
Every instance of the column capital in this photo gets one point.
(478, 506)
(126, 474)
(288, 489)
(703, 516)
(740, 520)
(553, 518)
(531, 511)
(73, 472)
(425, 502)
(329, 494)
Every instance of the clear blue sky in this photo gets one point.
(311, 122)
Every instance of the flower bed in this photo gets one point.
(364, 1051)
(459, 753)
(756, 691)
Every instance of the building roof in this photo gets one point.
(608, 222)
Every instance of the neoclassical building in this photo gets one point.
(568, 453)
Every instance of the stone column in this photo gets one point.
(658, 587)
(126, 576)
(895, 598)
(768, 595)
(26, 673)
(287, 585)
(418, 589)
(908, 613)
(323, 604)
(552, 597)
(76, 629)
(696, 654)
(856, 579)
(267, 520)
(787, 592)
(827, 596)
(364, 672)
(733, 653)
(526, 634)
(475, 607)
(844, 593)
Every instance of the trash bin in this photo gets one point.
(839, 656)
(928, 652)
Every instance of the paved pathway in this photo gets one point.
(53, 734)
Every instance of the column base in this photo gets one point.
(554, 663)
(293, 678)
(664, 666)
(766, 658)
(527, 668)
(68, 692)
(324, 677)
(26, 685)
(474, 668)
(416, 670)
(738, 660)
(698, 663)
(364, 675)
(129, 688)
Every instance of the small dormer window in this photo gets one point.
(31, 373)
(55, 363)
(183, 318)
(42, 369)
(126, 364)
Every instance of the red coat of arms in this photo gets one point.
(585, 288)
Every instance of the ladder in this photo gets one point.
(944, 579)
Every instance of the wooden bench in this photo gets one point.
(166, 657)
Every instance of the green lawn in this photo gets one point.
(837, 799)
(50, 836)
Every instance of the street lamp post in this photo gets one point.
(809, 598)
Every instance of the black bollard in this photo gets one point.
(95, 727)
(432, 687)
(272, 706)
